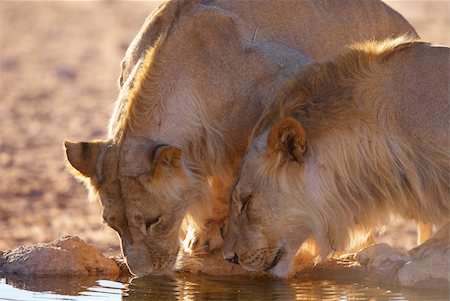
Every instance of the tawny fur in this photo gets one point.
(196, 77)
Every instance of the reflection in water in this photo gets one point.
(26, 288)
(194, 287)
(71, 286)
(200, 287)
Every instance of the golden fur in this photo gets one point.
(196, 78)
(376, 124)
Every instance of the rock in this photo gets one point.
(68, 255)
(425, 267)
(381, 261)
(428, 273)
(430, 264)
(437, 245)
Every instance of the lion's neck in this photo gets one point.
(359, 174)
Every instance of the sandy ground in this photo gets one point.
(59, 64)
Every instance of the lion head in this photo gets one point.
(258, 237)
(145, 204)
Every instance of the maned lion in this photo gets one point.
(194, 83)
(346, 144)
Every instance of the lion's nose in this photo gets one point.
(233, 259)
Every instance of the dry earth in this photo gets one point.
(59, 64)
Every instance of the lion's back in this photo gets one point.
(419, 79)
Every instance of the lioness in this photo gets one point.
(194, 83)
(346, 144)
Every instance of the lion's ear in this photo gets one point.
(288, 137)
(83, 156)
(165, 160)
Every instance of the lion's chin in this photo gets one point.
(283, 269)
(144, 269)
(280, 267)
(168, 271)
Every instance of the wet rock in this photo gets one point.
(381, 261)
(68, 255)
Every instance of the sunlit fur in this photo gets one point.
(377, 129)
(196, 77)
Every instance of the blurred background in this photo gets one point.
(59, 65)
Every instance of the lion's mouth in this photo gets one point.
(276, 259)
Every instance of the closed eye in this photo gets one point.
(244, 202)
(152, 222)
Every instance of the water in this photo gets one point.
(200, 287)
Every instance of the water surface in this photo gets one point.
(202, 287)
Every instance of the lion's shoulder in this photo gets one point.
(410, 77)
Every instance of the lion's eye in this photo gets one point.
(152, 222)
(245, 201)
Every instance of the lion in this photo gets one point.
(194, 83)
(346, 144)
